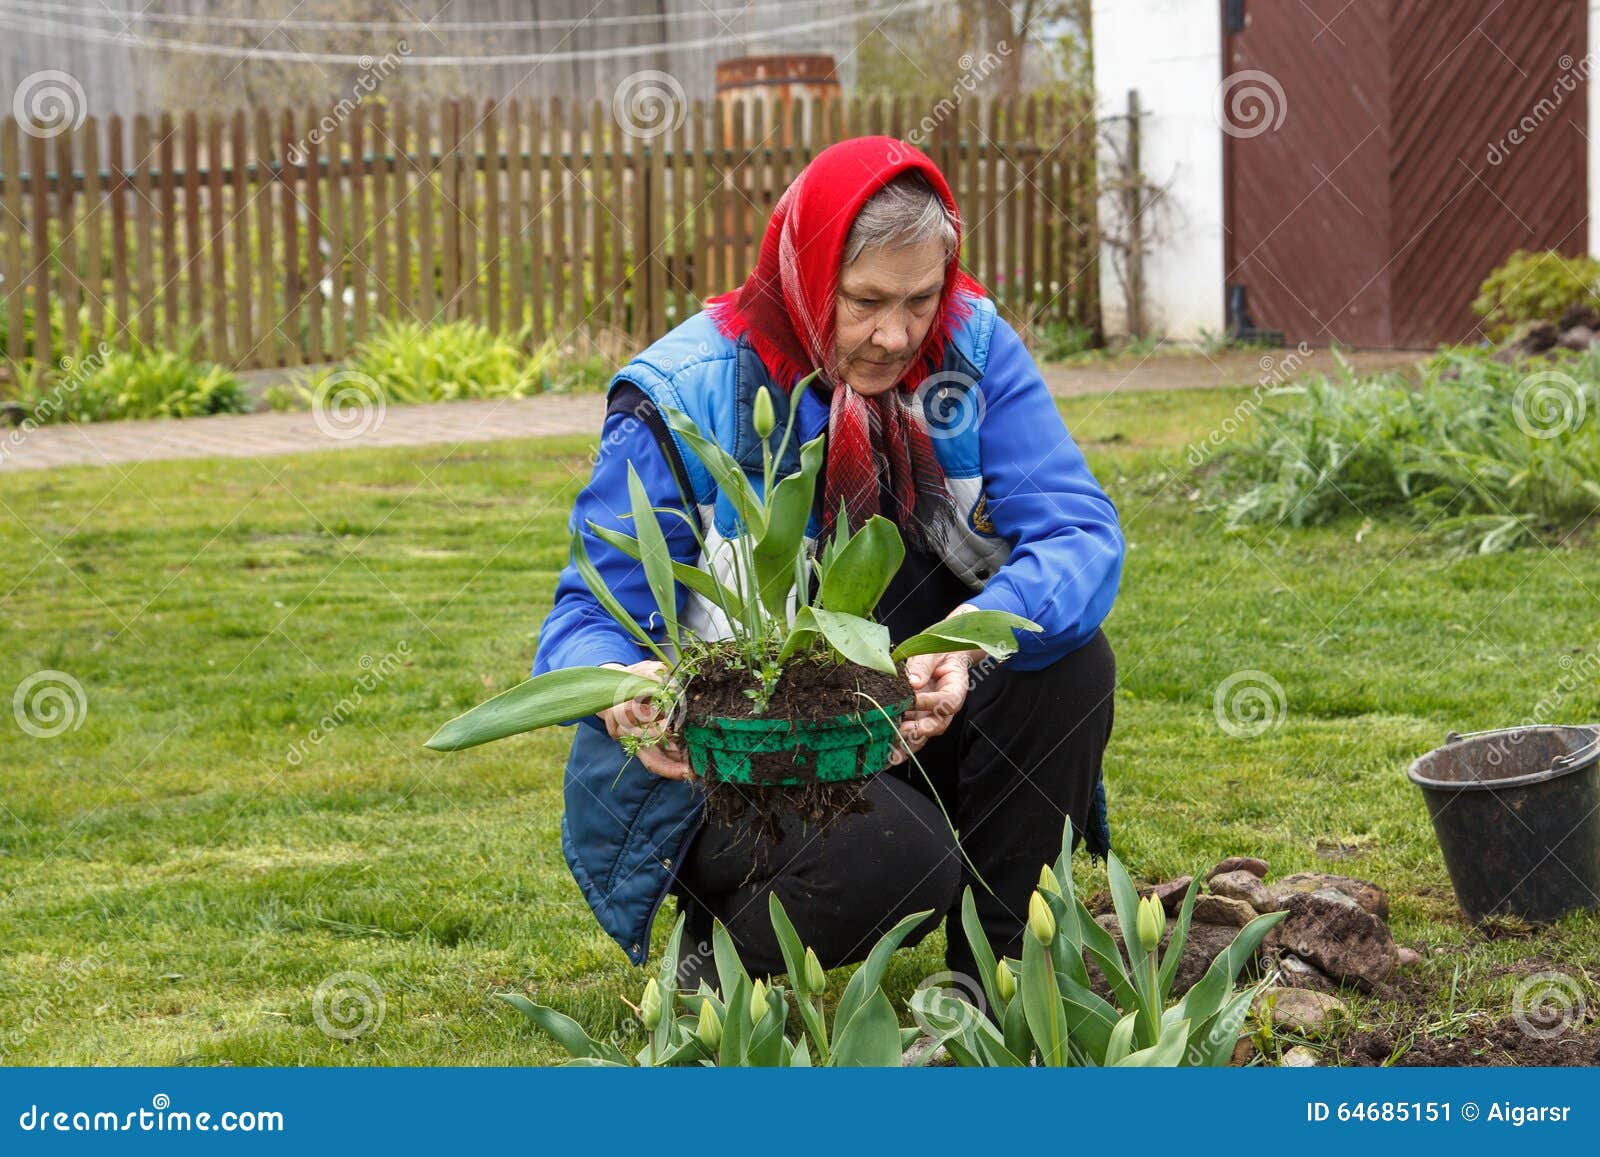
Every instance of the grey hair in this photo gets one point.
(904, 213)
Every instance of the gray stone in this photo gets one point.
(1223, 910)
(1299, 1009)
(1299, 1057)
(1364, 892)
(1171, 893)
(1296, 973)
(1256, 867)
(1336, 934)
(1579, 337)
(1406, 957)
(1246, 886)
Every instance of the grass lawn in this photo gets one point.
(181, 871)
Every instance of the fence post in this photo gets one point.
(1135, 210)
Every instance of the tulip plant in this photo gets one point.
(770, 609)
(744, 1026)
(1043, 1004)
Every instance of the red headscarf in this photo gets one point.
(787, 307)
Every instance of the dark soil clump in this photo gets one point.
(1503, 1043)
(806, 692)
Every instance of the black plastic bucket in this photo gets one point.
(1517, 814)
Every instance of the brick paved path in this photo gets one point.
(258, 435)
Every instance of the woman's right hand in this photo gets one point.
(641, 717)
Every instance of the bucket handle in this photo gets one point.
(1584, 752)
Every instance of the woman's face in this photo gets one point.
(887, 300)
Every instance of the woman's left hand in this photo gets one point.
(940, 682)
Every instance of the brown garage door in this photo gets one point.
(1382, 156)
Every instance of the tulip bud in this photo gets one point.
(758, 1002)
(650, 1005)
(763, 417)
(816, 976)
(1041, 921)
(1152, 922)
(1048, 881)
(709, 1028)
(1004, 982)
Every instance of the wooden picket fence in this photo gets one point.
(281, 240)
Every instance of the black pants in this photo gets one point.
(1023, 754)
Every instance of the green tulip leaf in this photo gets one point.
(991, 631)
(858, 574)
(545, 700)
(725, 470)
(1167, 1053)
(869, 976)
(567, 1032)
(788, 511)
(602, 594)
(1041, 1001)
(870, 1038)
(654, 554)
(700, 581)
(859, 640)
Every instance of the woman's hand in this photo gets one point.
(940, 682)
(641, 717)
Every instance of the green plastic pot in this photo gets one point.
(843, 748)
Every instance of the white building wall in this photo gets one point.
(1171, 51)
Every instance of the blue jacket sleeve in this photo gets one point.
(579, 631)
(1067, 547)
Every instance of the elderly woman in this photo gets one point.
(859, 278)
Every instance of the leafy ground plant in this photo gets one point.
(1536, 286)
(1487, 457)
(744, 1027)
(143, 382)
(410, 363)
(1044, 1007)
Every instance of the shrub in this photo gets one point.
(1486, 455)
(1537, 286)
(410, 363)
(137, 383)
